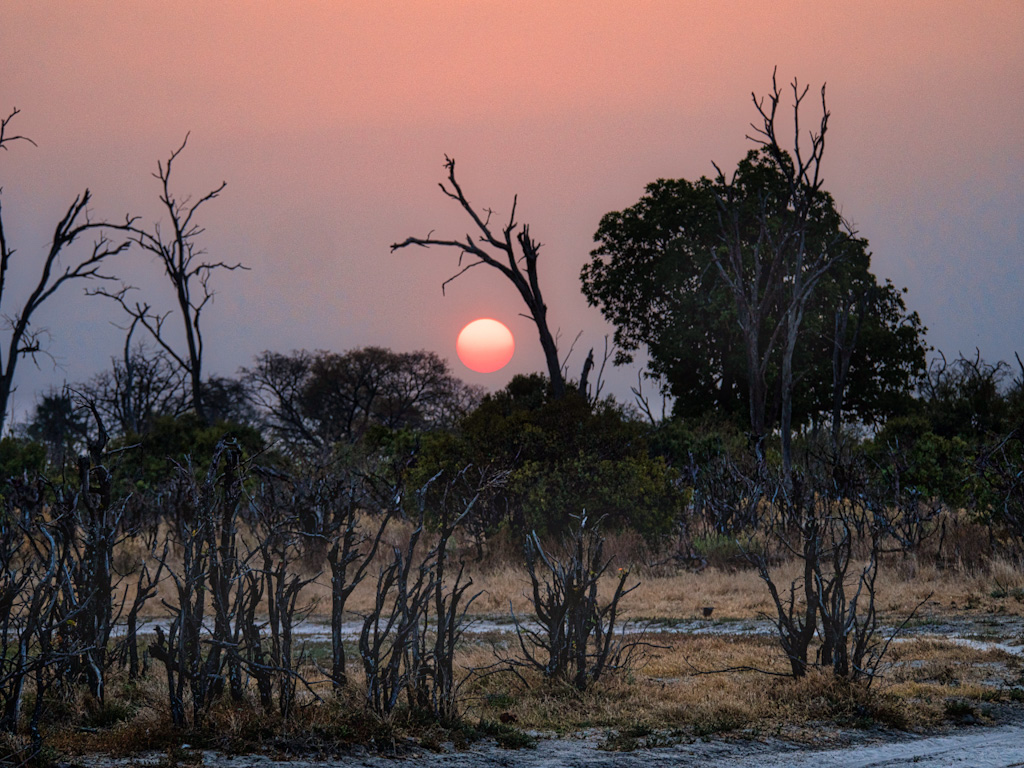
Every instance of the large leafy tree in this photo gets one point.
(653, 275)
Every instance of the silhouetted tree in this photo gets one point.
(76, 222)
(227, 399)
(138, 388)
(965, 397)
(188, 272)
(751, 293)
(497, 250)
(799, 237)
(860, 353)
(58, 424)
(324, 397)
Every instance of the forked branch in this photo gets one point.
(512, 251)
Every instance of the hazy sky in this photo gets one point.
(330, 121)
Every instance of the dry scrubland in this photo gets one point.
(956, 579)
(954, 662)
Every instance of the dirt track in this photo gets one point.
(980, 747)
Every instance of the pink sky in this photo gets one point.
(330, 122)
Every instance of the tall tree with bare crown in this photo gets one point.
(77, 222)
(509, 250)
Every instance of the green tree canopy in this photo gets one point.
(322, 398)
(653, 276)
(558, 457)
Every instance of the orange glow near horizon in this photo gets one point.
(485, 345)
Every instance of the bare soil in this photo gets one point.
(999, 746)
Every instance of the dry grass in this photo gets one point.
(933, 576)
(680, 689)
(903, 585)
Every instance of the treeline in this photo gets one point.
(538, 458)
(326, 455)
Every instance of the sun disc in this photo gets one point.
(485, 345)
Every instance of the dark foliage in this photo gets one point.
(653, 277)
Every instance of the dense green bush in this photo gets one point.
(146, 461)
(18, 456)
(544, 459)
(929, 465)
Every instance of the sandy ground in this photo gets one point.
(980, 747)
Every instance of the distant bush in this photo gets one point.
(557, 457)
(19, 456)
(906, 452)
(721, 550)
(147, 460)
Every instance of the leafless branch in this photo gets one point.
(186, 269)
(512, 251)
(76, 223)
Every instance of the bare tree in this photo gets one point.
(828, 515)
(331, 509)
(438, 683)
(208, 583)
(137, 388)
(775, 255)
(391, 628)
(497, 250)
(188, 272)
(576, 637)
(77, 221)
(276, 383)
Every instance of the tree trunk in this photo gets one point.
(786, 417)
(756, 392)
(338, 599)
(547, 343)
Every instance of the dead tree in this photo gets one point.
(773, 255)
(188, 272)
(146, 585)
(577, 639)
(179, 649)
(790, 519)
(821, 518)
(351, 551)
(139, 387)
(28, 588)
(277, 550)
(507, 251)
(92, 525)
(211, 570)
(444, 616)
(391, 628)
(38, 643)
(75, 223)
(1000, 488)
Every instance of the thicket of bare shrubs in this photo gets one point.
(226, 556)
(229, 550)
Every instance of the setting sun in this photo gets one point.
(485, 345)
